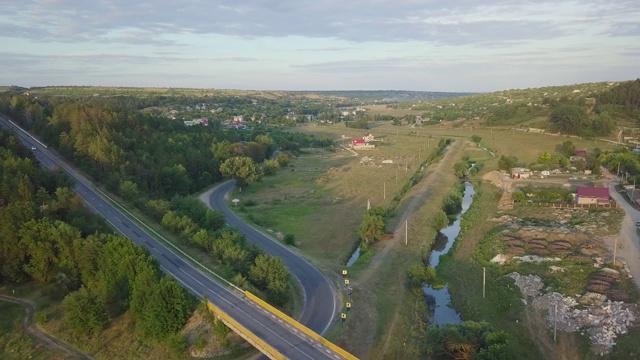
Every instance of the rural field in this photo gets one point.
(321, 197)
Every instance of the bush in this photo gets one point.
(290, 239)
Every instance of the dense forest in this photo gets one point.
(155, 163)
(47, 235)
(623, 99)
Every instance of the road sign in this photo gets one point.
(346, 281)
(348, 306)
(344, 272)
(343, 316)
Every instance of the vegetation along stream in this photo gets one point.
(439, 299)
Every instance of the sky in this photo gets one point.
(427, 45)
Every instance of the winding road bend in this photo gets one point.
(319, 296)
(277, 333)
(32, 329)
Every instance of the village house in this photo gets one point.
(592, 195)
(578, 155)
(201, 121)
(362, 143)
(520, 173)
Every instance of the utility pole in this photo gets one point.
(406, 232)
(396, 176)
(384, 190)
(555, 322)
(484, 280)
(615, 249)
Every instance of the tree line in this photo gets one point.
(155, 164)
(48, 236)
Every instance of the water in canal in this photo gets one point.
(439, 300)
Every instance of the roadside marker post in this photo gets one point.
(346, 281)
(343, 316)
(344, 273)
(348, 306)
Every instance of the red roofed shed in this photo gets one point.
(580, 152)
(592, 195)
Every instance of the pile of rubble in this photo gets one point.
(529, 285)
(602, 319)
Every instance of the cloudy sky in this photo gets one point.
(432, 45)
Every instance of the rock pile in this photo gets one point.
(529, 285)
(603, 319)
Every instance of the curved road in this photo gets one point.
(288, 341)
(37, 334)
(319, 295)
(628, 244)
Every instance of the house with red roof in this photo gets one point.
(362, 143)
(592, 195)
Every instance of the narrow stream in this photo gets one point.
(354, 257)
(438, 300)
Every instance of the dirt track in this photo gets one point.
(368, 280)
(38, 334)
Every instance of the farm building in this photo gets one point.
(592, 195)
(520, 173)
(363, 143)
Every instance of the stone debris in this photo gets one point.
(366, 160)
(500, 259)
(529, 285)
(602, 319)
(503, 259)
(555, 269)
(534, 259)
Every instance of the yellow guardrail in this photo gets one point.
(301, 327)
(246, 334)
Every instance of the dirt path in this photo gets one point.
(368, 279)
(420, 194)
(40, 335)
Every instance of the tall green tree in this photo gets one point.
(372, 228)
(270, 273)
(569, 119)
(166, 309)
(241, 168)
(84, 312)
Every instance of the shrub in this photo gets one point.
(290, 239)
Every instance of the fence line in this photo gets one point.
(574, 206)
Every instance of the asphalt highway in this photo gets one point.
(277, 333)
(320, 304)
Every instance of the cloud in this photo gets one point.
(455, 22)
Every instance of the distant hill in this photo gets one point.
(388, 96)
